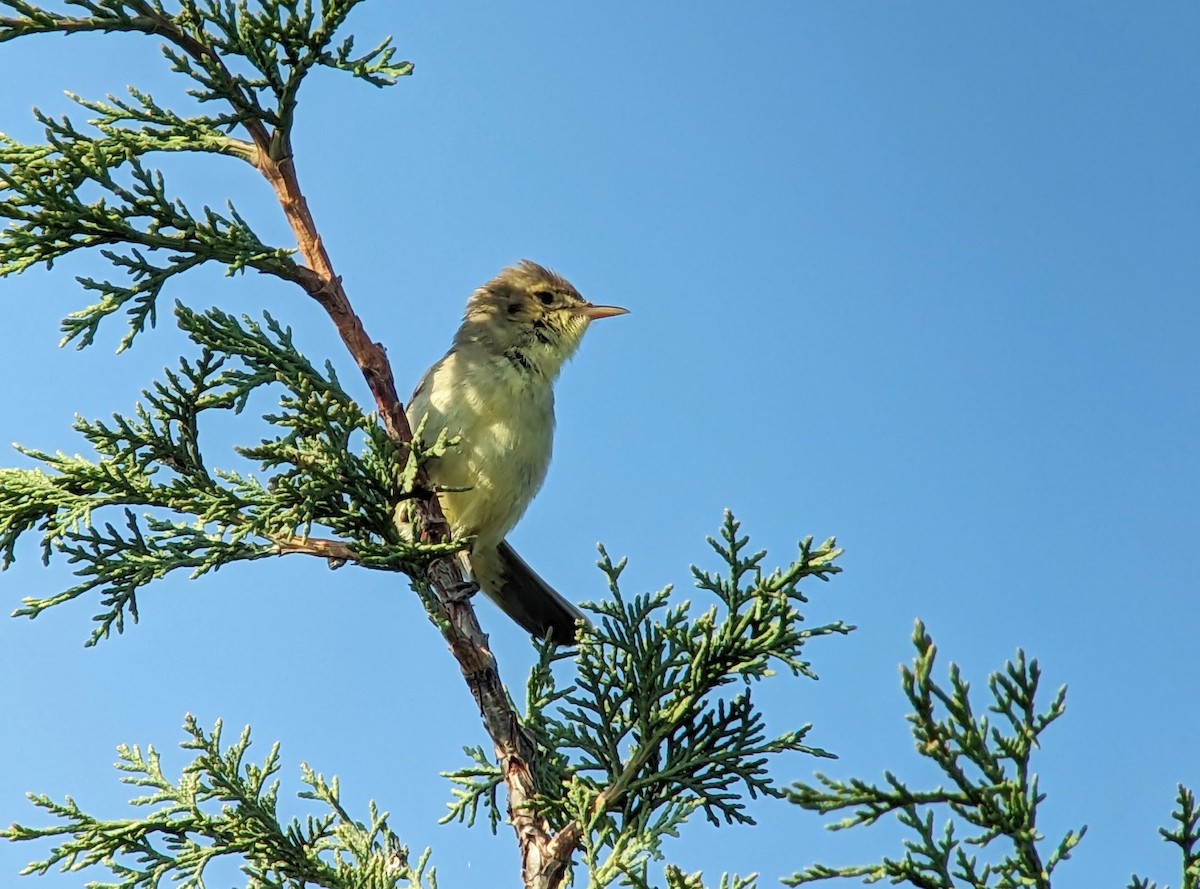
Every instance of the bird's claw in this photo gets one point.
(462, 592)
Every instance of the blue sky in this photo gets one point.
(921, 276)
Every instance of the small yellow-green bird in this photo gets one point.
(495, 389)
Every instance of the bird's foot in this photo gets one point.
(462, 592)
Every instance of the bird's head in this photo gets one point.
(530, 315)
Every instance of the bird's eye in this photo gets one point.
(514, 308)
(545, 297)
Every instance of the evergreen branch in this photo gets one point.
(223, 807)
(374, 66)
(119, 563)
(653, 685)
(677, 879)
(44, 198)
(646, 733)
(281, 41)
(106, 16)
(42, 184)
(242, 59)
(992, 788)
(319, 475)
(1186, 836)
(475, 785)
(162, 128)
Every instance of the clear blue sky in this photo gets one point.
(921, 276)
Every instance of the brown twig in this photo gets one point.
(543, 861)
(315, 546)
(543, 866)
(544, 856)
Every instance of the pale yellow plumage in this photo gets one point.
(495, 389)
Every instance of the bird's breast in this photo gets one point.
(505, 420)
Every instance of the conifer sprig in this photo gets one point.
(246, 61)
(677, 879)
(223, 807)
(78, 192)
(647, 732)
(93, 188)
(329, 466)
(992, 789)
(1186, 836)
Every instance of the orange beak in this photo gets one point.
(594, 312)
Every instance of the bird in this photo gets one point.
(494, 390)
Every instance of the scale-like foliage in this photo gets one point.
(87, 188)
(658, 722)
(992, 789)
(329, 466)
(223, 807)
(1186, 836)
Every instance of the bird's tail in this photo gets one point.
(521, 594)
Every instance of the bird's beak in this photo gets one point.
(593, 312)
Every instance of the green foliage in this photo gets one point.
(330, 466)
(53, 214)
(224, 807)
(992, 788)
(677, 879)
(658, 722)
(1186, 836)
(84, 189)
